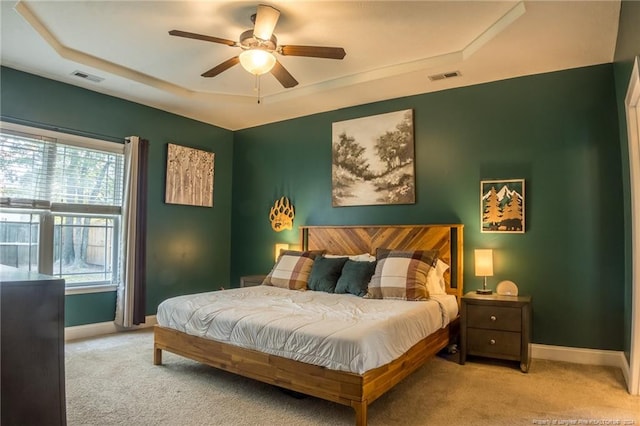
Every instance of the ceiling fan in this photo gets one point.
(258, 47)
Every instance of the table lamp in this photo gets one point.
(484, 268)
(278, 248)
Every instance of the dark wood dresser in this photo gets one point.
(496, 326)
(32, 389)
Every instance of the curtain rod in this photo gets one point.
(51, 127)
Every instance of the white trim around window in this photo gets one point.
(67, 138)
(48, 210)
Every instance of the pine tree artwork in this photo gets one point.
(502, 206)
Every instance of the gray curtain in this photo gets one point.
(131, 295)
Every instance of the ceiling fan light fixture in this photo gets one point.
(259, 46)
(257, 61)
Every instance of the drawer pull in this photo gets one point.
(493, 318)
(492, 341)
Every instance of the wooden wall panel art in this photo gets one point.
(502, 206)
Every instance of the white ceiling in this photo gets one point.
(392, 48)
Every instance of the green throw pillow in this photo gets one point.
(325, 273)
(355, 277)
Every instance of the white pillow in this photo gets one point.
(364, 257)
(435, 278)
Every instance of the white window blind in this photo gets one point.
(42, 172)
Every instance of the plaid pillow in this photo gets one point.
(291, 270)
(401, 275)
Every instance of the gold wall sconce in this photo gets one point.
(278, 248)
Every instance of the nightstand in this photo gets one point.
(496, 326)
(251, 280)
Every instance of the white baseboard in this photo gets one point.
(626, 372)
(101, 328)
(580, 356)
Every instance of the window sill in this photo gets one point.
(102, 288)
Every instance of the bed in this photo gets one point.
(351, 383)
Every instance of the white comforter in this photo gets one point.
(341, 332)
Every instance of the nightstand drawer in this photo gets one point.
(494, 317)
(499, 344)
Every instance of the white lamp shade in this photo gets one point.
(484, 262)
(279, 247)
(257, 61)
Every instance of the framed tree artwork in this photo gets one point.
(373, 160)
(502, 206)
(189, 176)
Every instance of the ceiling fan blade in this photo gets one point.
(283, 76)
(202, 37)
(222, 67)
(313, 51)
(266, 20)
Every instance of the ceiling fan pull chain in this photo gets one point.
(257, 86)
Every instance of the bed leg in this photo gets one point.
(360, 408)
(157, 355)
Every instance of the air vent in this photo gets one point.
(87, 76)
(444, 75)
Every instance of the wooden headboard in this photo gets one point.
(447, 239)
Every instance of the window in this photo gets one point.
(60, 205)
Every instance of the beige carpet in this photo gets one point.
(112, 381)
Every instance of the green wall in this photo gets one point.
(559, 131)
(627, 48)
(187, 247)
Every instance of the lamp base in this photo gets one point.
(484, 291)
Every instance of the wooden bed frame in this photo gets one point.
(354, 390)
